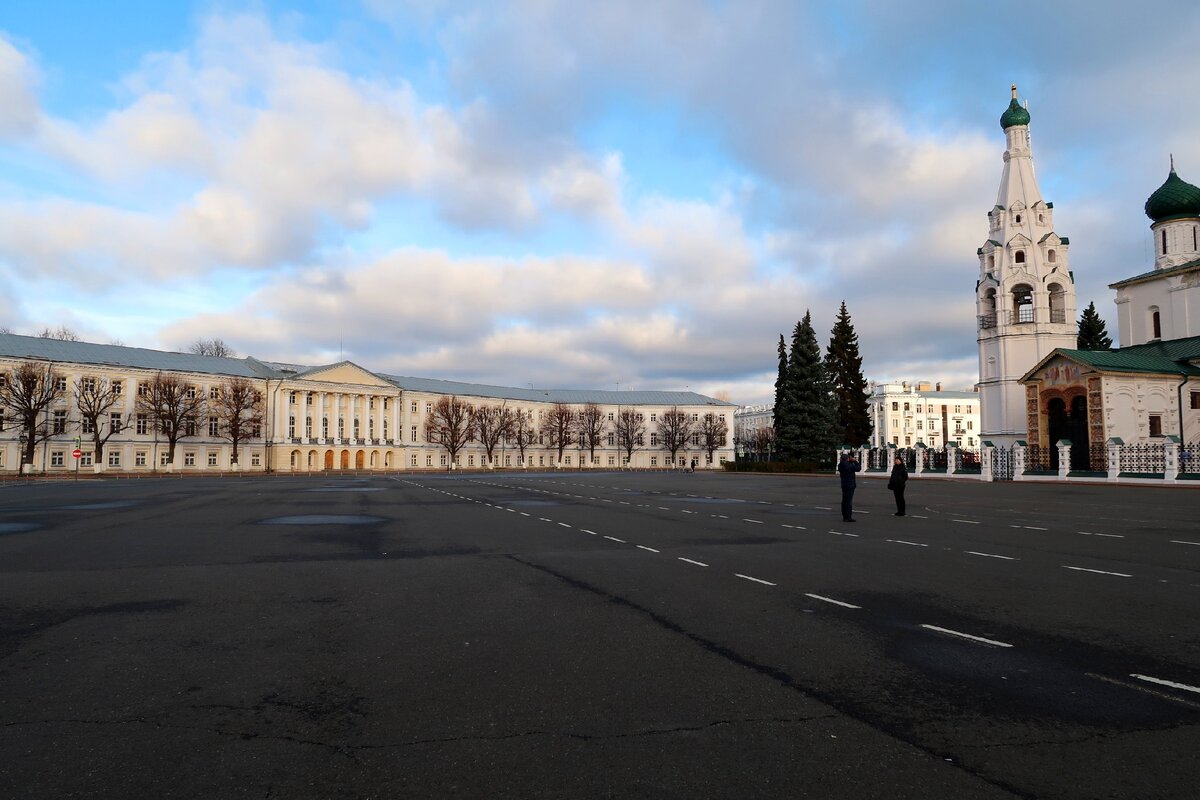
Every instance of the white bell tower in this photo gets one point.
(1025, 296)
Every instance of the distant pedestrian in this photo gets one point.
(896, 484)
(846, 469)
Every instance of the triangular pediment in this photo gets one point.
(344, 372)
(1057, 367)
(1020, 240)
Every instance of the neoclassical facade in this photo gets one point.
(907, 414)
(324, 418)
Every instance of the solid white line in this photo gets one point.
(966, 636)
(1162, 682)
(565, 525)
(1181, 541)
(756, 580)
(991, 555)
(966, 521)
(1105, 535)
(643, 547)
(911, 544)
(585, 530)
(697, 563)
(1097, 571)
(831, 600)
(755, 521)
(615, 539)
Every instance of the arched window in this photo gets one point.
(1018, 219)
(1020, 257)
(1022, 298)
(1058, 311)
(991, 262)
(1051, 256)
(1155, 323)
(1041, 219)
(1164, 242)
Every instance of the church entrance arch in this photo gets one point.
(1068, 421)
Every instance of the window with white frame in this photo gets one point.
(86, 426)
(139, 458)
(162, 458)
(117, 388)
(60, 422)
(143, 424)
(57, 458)
(413, 460)
(115, 423)
(212, 459)
(114, 457)
(654, 461)
(214, 426)
(256, 459)
(214, 393)
(60, 384)
(189, 458)
(429, 460)
(85, 459)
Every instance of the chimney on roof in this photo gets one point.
(939, 386)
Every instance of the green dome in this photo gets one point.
(1175, 199)
(1014, 115)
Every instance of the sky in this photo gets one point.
(616, 195)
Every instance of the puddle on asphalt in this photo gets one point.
(111, 504)
(17, 527)
(324, 519)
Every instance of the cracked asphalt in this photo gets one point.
(596, 635)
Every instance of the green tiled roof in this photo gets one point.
(1014, 115)
(1169, 357)
(1157, 273)
(1175, 199)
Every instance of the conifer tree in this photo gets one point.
(1092, 332)
(784, 416)
(814, 418)
(843, 364)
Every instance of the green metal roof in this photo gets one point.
(1168, 357)
(1155, 274)
(1175, 199)
(1014, 115)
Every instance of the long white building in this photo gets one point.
(906, 414)
(318, 418)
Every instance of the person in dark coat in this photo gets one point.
(846, 469)
(896, 484)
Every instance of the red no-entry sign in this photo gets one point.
(76, 453)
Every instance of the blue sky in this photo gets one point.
(566, 194)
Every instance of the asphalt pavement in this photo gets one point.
(597, 634)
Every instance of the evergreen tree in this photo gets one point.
(783, 414)
(843, 364)
(1092, 333)
(815, 420)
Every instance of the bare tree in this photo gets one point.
(95, 398)
(239, 412)
(674, 428)
(451, 424)
(758, 440)
(714, 431)
(631, 430)
(28, 390)
(62, 332)
(174, 406)
(212, 347)
(589, 427)
(523, 433)
(493, 424)
(557, 425)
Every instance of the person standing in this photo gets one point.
(846, 469)
(896, 484)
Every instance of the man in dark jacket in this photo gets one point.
(846, 470)
(896, 484)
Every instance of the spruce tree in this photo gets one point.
(783, 417)
(843, 363)
(815, 420)
(1092, 333)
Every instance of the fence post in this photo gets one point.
(891, 458)
(985, 461)
(1114, 458)
(949, 449)
(864, 456)
(1064, 457)
(920, 457)
(1171, 458)
(1018, 459)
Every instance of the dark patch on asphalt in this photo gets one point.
(111, 504)
(532, 503)
(324, 519)
(7, 528)
(14, 631)
(709, 500)
(739, 540)
(347, 489)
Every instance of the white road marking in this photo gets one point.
(663, 508)
(966, 521)
(511, 510)
(1035, 528)
(615, 539)
(643, 547)
(1162, 682)
(684, 510)
(543, 519)
(839, 533)
(918, 516)
(831, 600)
(756, 580)
(585, 530)
(1181, 541)
(565, 525)
(990, 555)
(966, 636)
(1097, 571)
(697, 563)
(524, 514)
(755, 521)
(910, 544)
(824, 508)
(722, 516)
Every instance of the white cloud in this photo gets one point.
(19, 109)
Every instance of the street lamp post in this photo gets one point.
(23, 438)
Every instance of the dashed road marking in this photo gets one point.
(615, 539)
(643, 547)
(1162, 682)
(756, 580)
(966, 521)
(754, 521)
(565, 525)
(990, 555)
(967, 636)
(824, 599)
(910, 544)
(1098, 571)
(1181, 541)
(585, 530)
(690, 561)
